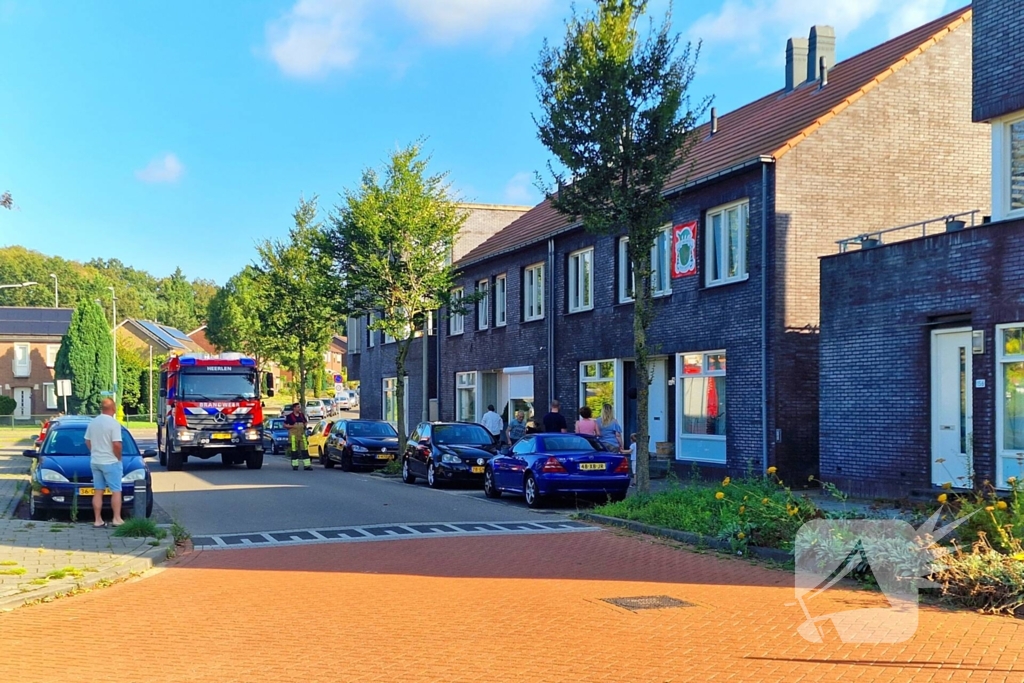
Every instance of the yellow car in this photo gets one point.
(317, 437)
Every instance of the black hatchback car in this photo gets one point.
(447, 452)
(360, 443)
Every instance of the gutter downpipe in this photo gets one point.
(550, 316)
(425, 351)
(764, 313)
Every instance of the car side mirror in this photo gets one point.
(270, 392)
(163, 393)
(31, 453)
(149, 453)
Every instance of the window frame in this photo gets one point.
(625, 295)
(388, 385)
(531, 289)
(371, 338)
(50, 390)
(1003, 358)
(457, 321)
(500, 302)
(712, 259)
(27, 365)
(51, 354)
(625, 269)
(483, 304)
(580, 281)
(681, 436)
(471, 384)
(1002, 159)
(599, 377)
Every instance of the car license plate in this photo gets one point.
(220, 435)
(383, 456)
(478, 470)
(592, 466)
(91, 491)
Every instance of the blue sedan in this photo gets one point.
(544, 465)
(62, 473)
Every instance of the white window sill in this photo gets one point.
(532, 320)
(456, 334)
(661, 295)
(580, 310)
(497, 325)
(730, 281)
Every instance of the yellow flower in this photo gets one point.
(764, 501)
(1001, 505)
(989, 508)
(742, 535)
(1011, 481)
(793, 511)
(943, 498)
(772, 470)
(719, 495)
(948, 485)
(743, 508)
(725, 482)
(780, 482)
(1019, 557)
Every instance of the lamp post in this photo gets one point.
(19, 285)
(113, 334)
(56, 299)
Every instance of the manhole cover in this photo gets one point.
(647, 602)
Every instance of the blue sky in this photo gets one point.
(177, 134)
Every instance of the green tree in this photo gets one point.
(391, 238)
(85, 357)
(177, 302)
(295, 276)
(130, 367)
(203, 292)
(234, 315)
(616, 115)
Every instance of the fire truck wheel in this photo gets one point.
(228, 459)
(175, 461)
(254, 459)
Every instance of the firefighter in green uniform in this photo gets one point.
(297, 446)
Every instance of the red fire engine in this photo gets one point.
(210, 405)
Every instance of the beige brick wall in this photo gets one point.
(483, 221)
(905, 152)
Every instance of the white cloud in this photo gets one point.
(163, 169)
(520, 190)
(761, 27)
(447, 21)
(316, 37)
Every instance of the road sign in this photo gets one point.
(337, 379)
(63, 387)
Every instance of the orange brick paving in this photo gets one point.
(500, 608)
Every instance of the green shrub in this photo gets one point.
(7, 405)
(983, 579)
(139, 527)
(991, 516)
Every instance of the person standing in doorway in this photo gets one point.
(611, 430)
(299, 450)
(493, 423)
(516, 427)
(554, 421)
(103, 439)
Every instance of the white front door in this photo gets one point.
(657, 407)
(952, 408)
(23, 397)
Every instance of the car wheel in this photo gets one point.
(407, 476)
(175, 461)
(490, 490)
(254, 460)
(432, 479)
(325, 459)
(346, 461)
(530, 492)
(35, 511)
(228, 459)
(162, 454)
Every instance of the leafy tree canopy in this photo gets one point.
(86, 357)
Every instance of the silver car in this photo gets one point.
(315, 409)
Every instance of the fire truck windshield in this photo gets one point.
(217, 386)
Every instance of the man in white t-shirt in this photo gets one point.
(493, 423)
(103, 437)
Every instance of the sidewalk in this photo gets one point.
(41, 559)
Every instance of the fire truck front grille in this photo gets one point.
(208, 422)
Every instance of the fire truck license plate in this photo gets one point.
(220, 435)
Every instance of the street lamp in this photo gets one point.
(19, 285)
(113, 334)
(56, 300)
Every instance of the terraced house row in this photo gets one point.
(884, 138)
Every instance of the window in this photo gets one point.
(1008, 168)
(597, 384)
(465, 397)
(51, 354)
(726, 249)
(483, 304)
(371, 336)
(456, 320)
(533, 292)
(500, 298)
(581, 280)
(661, 266)
(390, 402)
(702, 406)
(49, 388)
(354, 328)
(22, 360)
(1010, 406)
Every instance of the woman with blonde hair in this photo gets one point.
(611, 431)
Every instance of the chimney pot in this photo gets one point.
(796, 62)
(823, 68)
(821, 46)
(714, 120)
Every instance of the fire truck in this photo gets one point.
(211, 405)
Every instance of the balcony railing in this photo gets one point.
(932, 226)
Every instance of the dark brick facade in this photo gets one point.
(998, 58)
(372, 365)
(879, 307)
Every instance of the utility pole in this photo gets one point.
(56, 299)
(427, 324)
(151, 419)
(113, 335)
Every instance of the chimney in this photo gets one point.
(714, 120)
(822, 45)
(796, 62)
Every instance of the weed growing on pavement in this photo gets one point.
(179, 532)
(73, 572)
(30, 525)
(393, 467)
(39, 582)
(154, 543)
(8, 563)
(139, 527)
(14, 571)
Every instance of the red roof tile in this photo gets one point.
(770, 126)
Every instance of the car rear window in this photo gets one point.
(277, 424)
(71, 441)
(566, 442)
(471, 435)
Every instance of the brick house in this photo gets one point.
(922, 361)
(198, 337)
(29, 341)
(371, 358)
(334, 358)
(774, 183)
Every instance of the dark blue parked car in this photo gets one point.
(275, 435)
(544, 465)
(61, 469)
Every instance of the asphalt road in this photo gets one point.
(210, 499)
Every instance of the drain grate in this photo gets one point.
(647, 602)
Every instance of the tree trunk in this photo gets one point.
(642, 313)
(302, 376)
(401, 354)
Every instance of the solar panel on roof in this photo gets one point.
(176, 333)
(159, 333)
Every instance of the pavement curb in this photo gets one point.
(12, 504)
(134, 564)
(773, 554)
